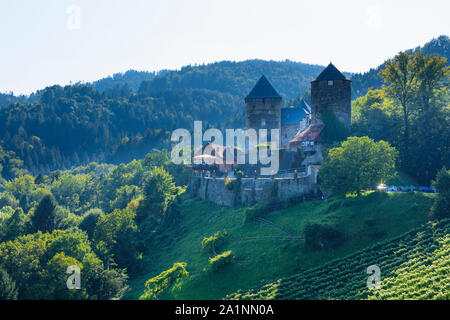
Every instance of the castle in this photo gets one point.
(300, 127)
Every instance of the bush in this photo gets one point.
(292, 201)
(229, 184)
(234, 185)
(219, 261)
(209, 244)
(323, 236)
(441, 207)
(258, 210)
(157, 285)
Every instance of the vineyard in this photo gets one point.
(273, 247)
(415, 265)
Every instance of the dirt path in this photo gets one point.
(275, 226)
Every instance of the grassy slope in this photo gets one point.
(372, 218)
(413, 266)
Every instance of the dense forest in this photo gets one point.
(99, 217)
(131, 79)
(78, 124)
(10, 98)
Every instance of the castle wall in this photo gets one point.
(334, 98)
(314, 158)
(252, 190)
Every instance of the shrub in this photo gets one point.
(155, 286)
(258, 210)
(274, 201)
(229, 184)
(323, 236)
(292, 201)
(441, 207)
(219, 261)
(209, 244)
(234, 185)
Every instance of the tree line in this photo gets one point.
(411, 112)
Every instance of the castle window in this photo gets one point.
(330, 82)
(263, 122)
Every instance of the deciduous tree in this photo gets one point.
(359, 163)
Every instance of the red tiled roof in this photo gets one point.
(312, 133)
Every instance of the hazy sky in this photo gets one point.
(46, 42)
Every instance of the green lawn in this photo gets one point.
(262, 255)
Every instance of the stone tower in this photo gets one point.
(331, 92)
(263, 107)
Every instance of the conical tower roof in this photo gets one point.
(331, 73)
(263, 89)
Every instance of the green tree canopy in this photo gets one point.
(416, 83)
(8, 290)
(115, 235)
(46, 217)
(38, 263)
(359, 163)
(159, 192)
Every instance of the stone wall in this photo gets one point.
(263, 113)
(253, 190)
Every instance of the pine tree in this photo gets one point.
(46, 217)
(8, 290)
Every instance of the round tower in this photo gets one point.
(331, 93)
(263, 106)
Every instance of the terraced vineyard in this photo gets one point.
(415, 265)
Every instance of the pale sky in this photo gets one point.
(46, 42)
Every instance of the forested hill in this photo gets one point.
(78, 124)
(131, 80)
(237, 78)
(108, 121)
(9, 98)
(361, 82)
(289, 78)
